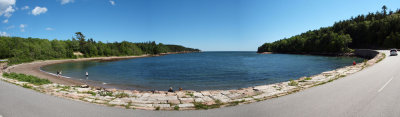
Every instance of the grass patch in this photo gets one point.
(234, 103)
(384, 56)
(293, 83)
(330, 80)
(91, 92)
(199, 105)
(27, 78)
(190, 94)
(176, 107)
(128, 105)
(63, 88)
(105, 93)
(121, 95)
(157, 108)
(308, 78)
(258, 99)
(27, 86)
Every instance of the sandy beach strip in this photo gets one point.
(33, 68)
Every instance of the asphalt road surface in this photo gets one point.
(372, 92)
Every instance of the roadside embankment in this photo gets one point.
(186, 99)
(365, 53)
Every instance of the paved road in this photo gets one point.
(373, 92)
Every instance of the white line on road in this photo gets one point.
(385, 85)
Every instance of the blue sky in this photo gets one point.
(210, 25)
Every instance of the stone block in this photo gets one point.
(205, 93)
(143, 105)
(162, 105)
(83, 89)
(174, 101)
(186, 100)
(117, 102)
(199, 95)
(186, 105)
(198, 100)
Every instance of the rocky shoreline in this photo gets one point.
(187, 99)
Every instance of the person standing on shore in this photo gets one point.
(60, 73)
(87, 74)
(170, 89)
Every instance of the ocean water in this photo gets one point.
(200, 71)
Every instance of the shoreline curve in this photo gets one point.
(187, 99)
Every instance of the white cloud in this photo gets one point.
(49, 29)
(8, 12)
(39, 10)
(10, 27)
(5, 21)
(6, 7)
(112, 2)
(3, 34)
(66, 1)
(25, 8)
(22, 27)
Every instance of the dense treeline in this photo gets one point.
(380, 30)
(19, 50)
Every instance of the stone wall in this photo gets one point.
(365, 53)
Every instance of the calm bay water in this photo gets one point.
(201, 71)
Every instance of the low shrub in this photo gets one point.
(293, 83)
(105, 93)
(190, 94)
(121, 95)
(234, 103)
(26, 86)
(91, 92)
(199, 105)
(176, 107)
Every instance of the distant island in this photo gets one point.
(19, 50)
(380, 30)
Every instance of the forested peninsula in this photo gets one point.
(20, 50)
(380, 30)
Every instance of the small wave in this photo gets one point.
(53, 74)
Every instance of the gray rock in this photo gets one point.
(186, 105)
(175, 101)
(198, 100)
(118, 102)
(186, 100)
(162, 105)
(83, 89)
(196, 94)
(143, 105)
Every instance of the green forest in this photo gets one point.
(379, 30)
(20, 50)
